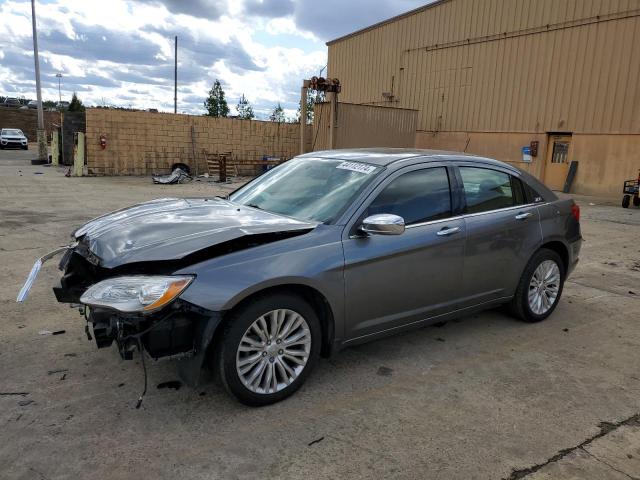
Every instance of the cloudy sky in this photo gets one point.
(120, 52)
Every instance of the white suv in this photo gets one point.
(13, 137)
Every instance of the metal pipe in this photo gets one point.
(42, 141)
(175, 78)
(303, 114)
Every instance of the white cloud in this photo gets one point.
(121, 51)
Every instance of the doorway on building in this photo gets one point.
(557, 166)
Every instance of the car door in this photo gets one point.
(391, 281)
(503, 231)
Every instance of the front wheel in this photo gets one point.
(626, 201)
(269, 347)
(540, 287)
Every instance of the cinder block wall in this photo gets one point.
(27, 121)
(143, 143)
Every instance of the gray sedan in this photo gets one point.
(328, 250)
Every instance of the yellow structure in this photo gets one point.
(78, 155)
(55, 150)
(493, 76)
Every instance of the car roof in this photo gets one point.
(386, 156)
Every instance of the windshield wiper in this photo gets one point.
(253, 205)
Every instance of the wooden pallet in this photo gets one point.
(220, 164)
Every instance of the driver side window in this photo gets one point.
(418, 196)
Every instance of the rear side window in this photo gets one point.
(418, 196)
(487, 189)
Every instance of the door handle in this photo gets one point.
(448, 231)
(523, 216)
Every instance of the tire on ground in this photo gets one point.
(519, 305)
(236, 326)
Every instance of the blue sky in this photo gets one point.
(120, 52)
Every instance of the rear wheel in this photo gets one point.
(269, 348)
(626, 201)
(540, 287)
(636, 201)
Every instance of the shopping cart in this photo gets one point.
(631, 190)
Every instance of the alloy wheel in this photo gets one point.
(544, 287)
(273, 351)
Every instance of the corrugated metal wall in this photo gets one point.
(502, 65)
(364, 126)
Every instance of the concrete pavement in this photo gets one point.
(482, 397)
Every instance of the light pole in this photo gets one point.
(59, 76)
(42, 141)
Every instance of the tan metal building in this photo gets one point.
(493, 76)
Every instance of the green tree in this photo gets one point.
(245, 110)
(278, 114)
(75, 105)
(313, 97)
(215, 104)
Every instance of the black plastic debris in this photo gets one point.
(174, 384)
(317, 440)
(177, 176)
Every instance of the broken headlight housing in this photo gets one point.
(136, 293)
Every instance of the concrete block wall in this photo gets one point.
(144, 143)
(27, 121)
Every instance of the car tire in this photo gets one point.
(242, 354)
(25, 148)
(543, 277)
(636, 201)
(626, 201)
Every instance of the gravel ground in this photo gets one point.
(481, 397)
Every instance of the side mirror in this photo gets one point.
(383, 224)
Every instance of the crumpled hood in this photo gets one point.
(171, 228)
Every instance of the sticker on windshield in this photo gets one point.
(357, 167)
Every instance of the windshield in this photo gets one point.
(316, 189)
(11, 131)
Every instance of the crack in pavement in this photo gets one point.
(605, 428)
(608, 464)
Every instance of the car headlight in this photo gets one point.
(136, 293)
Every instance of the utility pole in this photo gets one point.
(175, 78)
(61, 133)
(42, 140)
(303, 114)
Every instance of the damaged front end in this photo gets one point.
(137, 307)
(121, 268)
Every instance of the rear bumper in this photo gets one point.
(574, 255)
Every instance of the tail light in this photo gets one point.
(575, 211)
